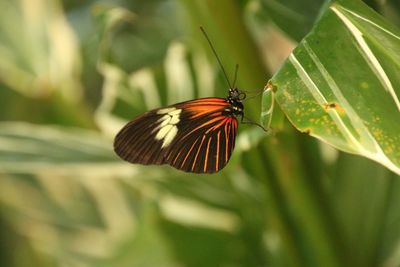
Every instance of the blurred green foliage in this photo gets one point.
(73, 72)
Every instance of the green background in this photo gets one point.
(72, 73)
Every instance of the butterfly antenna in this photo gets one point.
(236, 72)
(216, 55)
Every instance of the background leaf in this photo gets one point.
(38, 50)
(295, 18)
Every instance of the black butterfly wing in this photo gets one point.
(194, 136)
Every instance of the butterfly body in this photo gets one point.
(194, 136)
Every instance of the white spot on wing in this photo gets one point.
(165, 120)
(166, 110)
(175, 112)
(174, 120)
(164, 131)
(167, 129)
(170, 136)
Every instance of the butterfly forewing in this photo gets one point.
(194, 136)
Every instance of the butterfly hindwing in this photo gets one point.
(193, 136)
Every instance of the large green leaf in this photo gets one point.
(342, 83)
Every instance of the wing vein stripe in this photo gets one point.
(217, 155)
(207, 152)
(198, 151)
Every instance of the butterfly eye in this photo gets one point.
(242, 96)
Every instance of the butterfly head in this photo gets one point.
(235, 98)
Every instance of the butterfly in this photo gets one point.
(193, 136)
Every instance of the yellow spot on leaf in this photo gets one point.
(364, 85)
